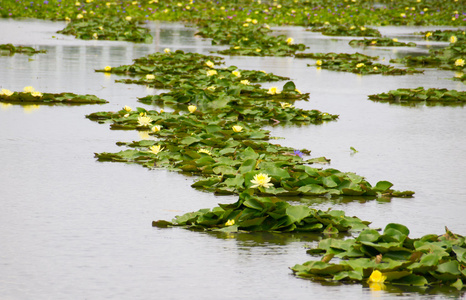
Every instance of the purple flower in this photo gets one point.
(298, 153)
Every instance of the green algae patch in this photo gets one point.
(111, 28)
(10, 49)
(430, 96)
(251, 213)
(36, 97)
(389, 258)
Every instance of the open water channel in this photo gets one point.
(75, 228)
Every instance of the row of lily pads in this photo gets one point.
(220, 137)
(284, 12)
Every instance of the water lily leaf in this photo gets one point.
(400, 228)
(369, 235)
(458, 284)
(298, 212)
(312, 190)
(412, 279)
(289, 86)
(382, 186)
(450, 267)
(350, 275)
(247, 166)
(392, 276)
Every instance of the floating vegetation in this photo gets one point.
(248, 38)
(444, 35)
(361, 66)
(448, 58)
(110, 28)
(10, 49)
(429, 96)
(337, 56)
(390, 258)
(347, 30)
(381, 42)
(252, 213)
(30, 95)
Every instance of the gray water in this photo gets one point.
(74, 228)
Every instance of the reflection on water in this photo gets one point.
(72, 227)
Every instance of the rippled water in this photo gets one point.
(74, 228)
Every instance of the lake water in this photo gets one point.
(75, 228)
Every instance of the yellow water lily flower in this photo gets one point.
(230, 222)
(285, 105)
(211, 88)
(245, 82)
(429, 34)
(107, 69)
(374, 42)
(156, 149)
(36, 94)
(127, 108)
(79, 16)
(209, 64)
(395, 40)
(360, 65)
(362, 28)
(375, 68)
(254, 21)
(453, 39)
(258, 50)
(289, 41)
(192, 108)
(6, 92)
(236, 47)
(377, 277)
(459, 62)
(211, 72)
(403, 15)
(144, 121)
(205, 151)
(236, 73)
(273, 91)
(162, 111)
(95, 35)
(237, 128)
(318, 62)
(261, 179)
(166, 50)
(150, 76)
(28, 89)
(156, 128)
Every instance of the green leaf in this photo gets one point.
(298, 212)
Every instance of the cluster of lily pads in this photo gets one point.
(355, 63)
(346, 30)
(381, 42)
(429, 96)
(30, 95)
(10, 49)
(390, 258)
(107, 28)
(252, 213)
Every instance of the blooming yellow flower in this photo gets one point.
(156, 149)
(230, 222)
(273, 91)
(77, 3)
(403, 15)
(362, 28)
(166, 50)
(360, 65)
(429, 34)
(211, 88)
(395, 40)
(6, 92)
(209, 64)
(318, 62)
(156, 128)
(254, 21)
(107, 69)
(289, 41)
(246, 24)
(261, 179)
(237, 128)
(150, 76)
(95, 35)
(79, 16)
(162, 111)
(236, 47)
(374, 42)
(192, 108)
(258, 50)
(236, 73)
(28, 89)
(377, 277)
(246, 82)
(459, 62)
(36, 94)
(285, 105)
(204, 151)
(211, 72)
(127, 108)
(453, 39)
(144, 121)
(375, 68)
(352, 27)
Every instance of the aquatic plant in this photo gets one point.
(10, 49)
(427, 96)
